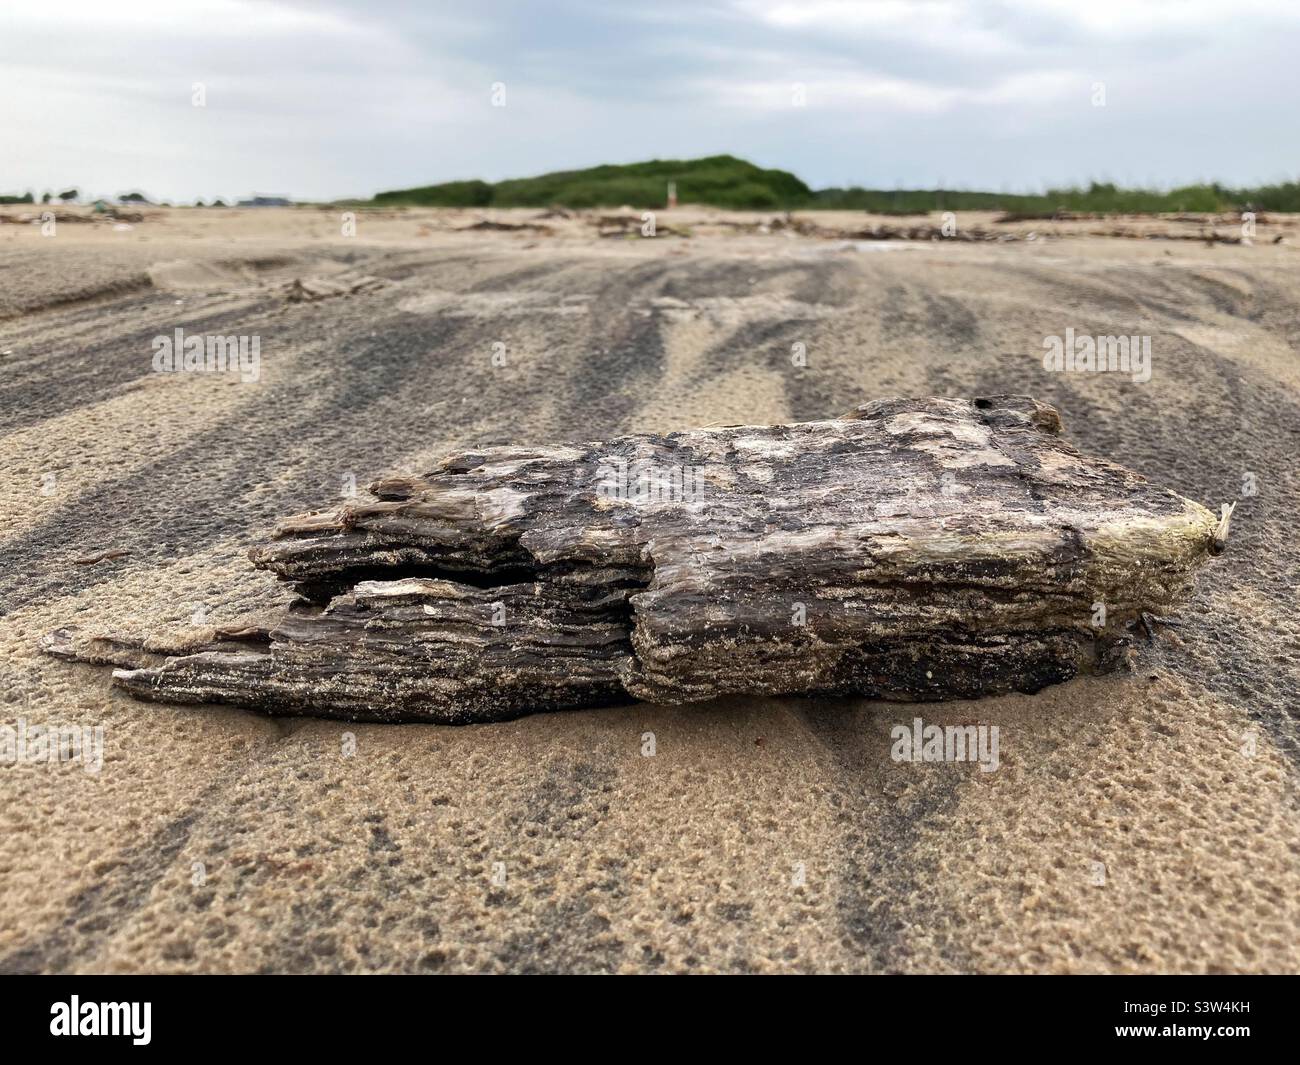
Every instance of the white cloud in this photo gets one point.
(342, 97)
(1120, 17)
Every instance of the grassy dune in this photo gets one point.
(727, 182)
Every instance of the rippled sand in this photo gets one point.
(1140, 822)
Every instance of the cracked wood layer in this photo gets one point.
(913, 549)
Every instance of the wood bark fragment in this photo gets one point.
(311, 289)
(100, 556)
(913, 549)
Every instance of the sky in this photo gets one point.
(336, 98)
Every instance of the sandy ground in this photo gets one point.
(1138, 822)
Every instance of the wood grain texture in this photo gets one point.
(912, 549)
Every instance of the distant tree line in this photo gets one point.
(728, 182)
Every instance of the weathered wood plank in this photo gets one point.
(913, 549)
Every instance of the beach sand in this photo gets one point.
(1138, 822)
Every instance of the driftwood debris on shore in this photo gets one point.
(913, 549)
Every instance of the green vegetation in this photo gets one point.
(450, 194)
(1284, 197)
(728, 182)
(1095, 199)
(725, 181)
(720, 180)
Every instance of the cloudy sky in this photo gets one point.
(333, 98)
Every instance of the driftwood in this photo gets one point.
(914, 549)
(311, 289)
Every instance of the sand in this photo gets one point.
(1139, 822)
